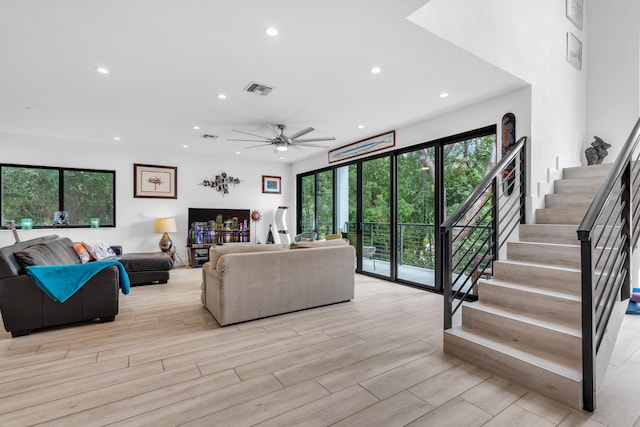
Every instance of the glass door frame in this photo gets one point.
(439, 205)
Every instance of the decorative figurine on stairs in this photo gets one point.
(597, 152)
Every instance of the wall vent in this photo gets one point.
(258, 89)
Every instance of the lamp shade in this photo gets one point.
(164, 225)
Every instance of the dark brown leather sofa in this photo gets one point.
(25, 307)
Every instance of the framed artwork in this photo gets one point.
(271, 184)
(574, 51)
(575, 12)
(365, 146)
(153, 181)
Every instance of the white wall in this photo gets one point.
(476, 116)
(527, 39)
(613, 81)
(135, 216)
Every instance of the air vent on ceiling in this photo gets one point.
(208, 136)
(258, 89)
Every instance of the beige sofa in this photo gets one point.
(248, 281)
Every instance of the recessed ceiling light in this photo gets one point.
(444, 95)
(222, 96)
(360, 126)
(117, 138)
(237, 152)
(185, 146)
(196, 127)
(271, 31)
(102, 70)
(281, 157)
(376, 70)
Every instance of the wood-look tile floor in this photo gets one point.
(374, 361)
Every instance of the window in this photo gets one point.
(37, 192)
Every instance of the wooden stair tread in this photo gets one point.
(554, 365)
(538, 291)
(538, 265)
(544, 323)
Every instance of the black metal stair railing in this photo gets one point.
(608, 233)
(472, 236)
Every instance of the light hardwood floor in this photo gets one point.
(374, 361)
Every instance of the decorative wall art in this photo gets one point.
(369, 145)
(152, 181)
(574, 51)
(575, 12)
(271, 184)
(221, 183)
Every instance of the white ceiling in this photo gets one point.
(168, 60)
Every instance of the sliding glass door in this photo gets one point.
(389, 207)
(376, 216)
(415, 205)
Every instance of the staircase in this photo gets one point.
(526, 324)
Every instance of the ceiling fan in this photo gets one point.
(283, 142)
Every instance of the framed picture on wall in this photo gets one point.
(574, 51)
(364, 146)
(575, 12)
(271, 184)
(153, 181)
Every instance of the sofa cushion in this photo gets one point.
(216, 251)
(319, 244)
(36, 255)
(52, 252)
(62, 250)
(9, 264)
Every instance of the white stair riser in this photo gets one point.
(600, 171)
(549, 233)
(525, 334)
(568, 200)
(553, 386)
(568, 256)
(572, 215)
(558, 255)
(582, 185)
(544, 277)
(541, 306)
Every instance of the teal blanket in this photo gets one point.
(59, 282)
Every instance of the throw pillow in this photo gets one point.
(99, 249)
(82, 252)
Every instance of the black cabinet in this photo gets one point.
(198, 255)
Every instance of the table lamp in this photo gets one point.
(165, 226)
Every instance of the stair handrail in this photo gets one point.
(459, 212)
(611, 274)
(444, 251)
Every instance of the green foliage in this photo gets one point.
(29, 193)
(308, 207)
(464, 167)
(325, 203)
(32, 192)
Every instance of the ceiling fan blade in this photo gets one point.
(252, 134)
(304, 144)
(248, 140)
(315, 139)
(297, 147)
(261, 145)
(302, 132)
